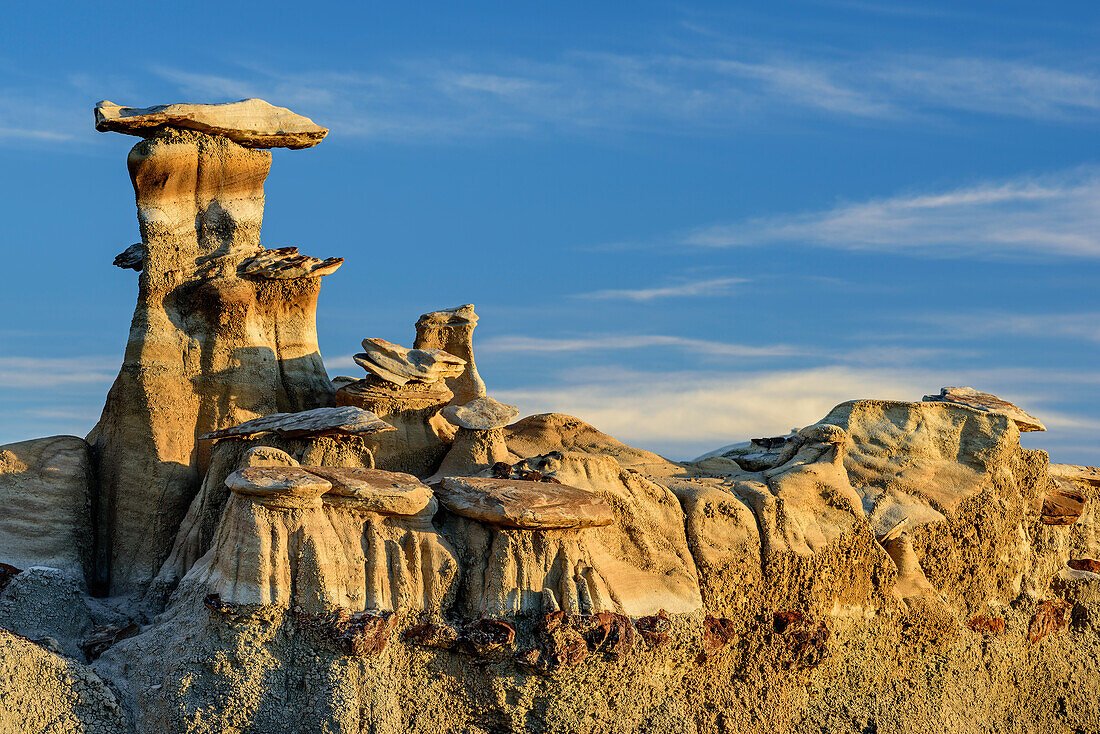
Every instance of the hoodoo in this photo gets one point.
(397, 553)
(215, 339)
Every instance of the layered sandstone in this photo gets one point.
(209, 346)
(46, 495)
(452, 331)
(252, 123)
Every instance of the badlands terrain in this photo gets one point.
(243, 544)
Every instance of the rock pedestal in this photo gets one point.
(209, 346)
(416, 447)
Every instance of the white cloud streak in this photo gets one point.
(34, 372)
(1052, 215)
(1083, 326)
(688, 413)
(711, 92)
(711, 287)
(617, 342)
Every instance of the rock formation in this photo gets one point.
(393, 363)
(411, 560)
(479, 441)
(421, 436)
(45, 490)
(452, 330)
(252, 123)
(210, 344)
(984, 401)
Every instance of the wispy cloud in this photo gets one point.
(34, 372)
(711, 287)
(1056, 214)
(616, 342)
(686, 413)
(703, 411)
(714, 89)
(1083, 326)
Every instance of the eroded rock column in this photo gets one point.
(219, 335)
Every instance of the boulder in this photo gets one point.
(132, 258)
(393, 363)
(374, 490)
(45, 490)
(481, 414)
(284, 263)
(252, 123)
(510, 503)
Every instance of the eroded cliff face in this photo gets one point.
(210, 345)
(890, 568)
(411, 561)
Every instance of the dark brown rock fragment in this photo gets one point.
(1084, 564)
(440, 636)
(487, 637)
(214, 603)
(717, 633)
(986, 625)
(363, 634)
(106, 636)
(1062, 505)
(656, 630)
(1050, 616)
(799, 640)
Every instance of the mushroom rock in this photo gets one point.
(46, 496)
(479, 441)
(274, 545)
(393, 363)
(595, 538)
(972, 398)
(209, 347)
(397, 559)
(452, 330)
(244, 449)
(422, 436)
(251, 123)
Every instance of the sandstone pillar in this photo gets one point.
(215, 340)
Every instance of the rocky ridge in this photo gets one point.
(395, 554)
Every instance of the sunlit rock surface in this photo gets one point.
(414, 559)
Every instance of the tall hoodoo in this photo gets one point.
(214, 340)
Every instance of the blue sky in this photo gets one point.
(688, 223)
